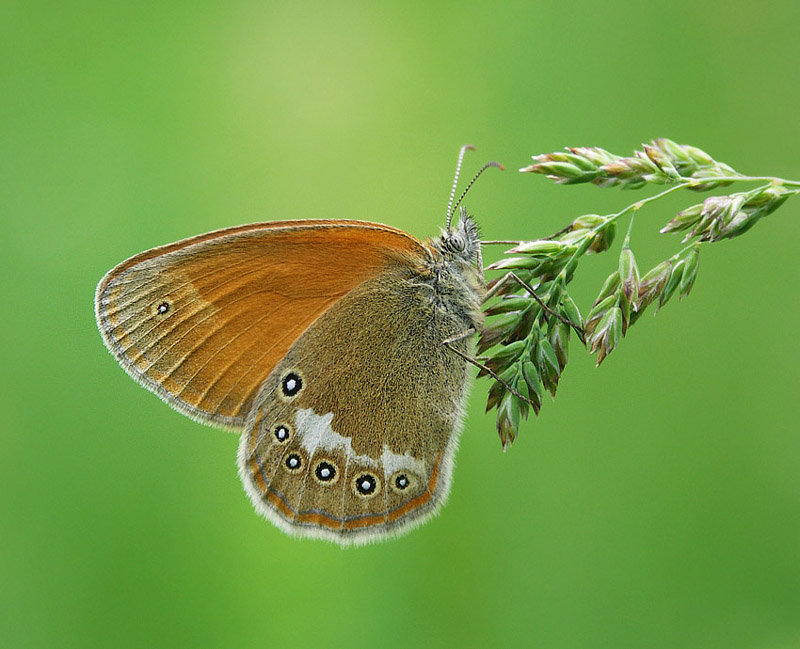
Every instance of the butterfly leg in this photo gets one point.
(511, 276)
(448, 343)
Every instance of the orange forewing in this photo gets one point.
(202, 322)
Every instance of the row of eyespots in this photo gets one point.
(326, 473)
(365, 484)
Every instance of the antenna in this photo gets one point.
(464, 149)
(497, 165)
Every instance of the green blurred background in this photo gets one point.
(655, 504)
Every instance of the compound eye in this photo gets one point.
(456, 243)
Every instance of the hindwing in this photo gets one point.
(354, 431)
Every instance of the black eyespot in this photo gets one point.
(366, 484)
(291, 384)
(281, 432)
(403, 481)
(293, 462)
(325, 472)
(162, 308)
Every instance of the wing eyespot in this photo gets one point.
(294, 463)
(162, 309)
(282, 432)
(403, 482)
(292, 384)
(326, 473)
(365, 485)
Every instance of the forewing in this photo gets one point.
(202, 322)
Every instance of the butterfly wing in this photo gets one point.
(352, 435)
(203, 322)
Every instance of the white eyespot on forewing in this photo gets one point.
(392, 463)
(315, 433)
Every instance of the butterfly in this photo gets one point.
(338, 349)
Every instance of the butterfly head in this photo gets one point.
(459, 273)
(461, 241)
